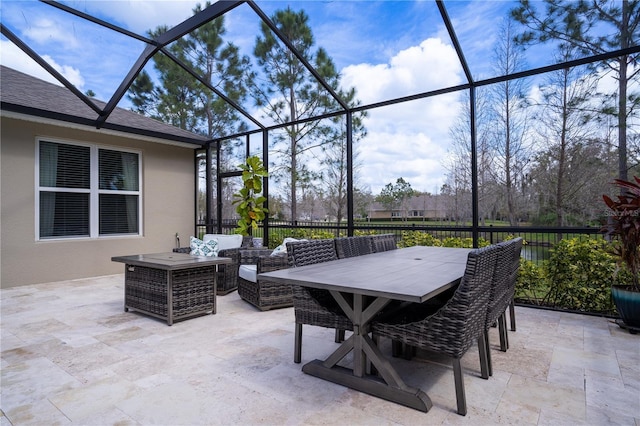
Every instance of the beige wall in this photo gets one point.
(168, 207)
(380, 214)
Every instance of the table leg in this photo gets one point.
(169, 298)
(389, 385)
(215, 287)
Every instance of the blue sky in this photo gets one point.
(386, 49)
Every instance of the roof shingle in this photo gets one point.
(26, 94)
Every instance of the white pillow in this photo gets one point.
(282, 248)
(225, 241)
(202, 248)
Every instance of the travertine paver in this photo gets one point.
(71, 355)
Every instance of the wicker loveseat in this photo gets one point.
(229, 246)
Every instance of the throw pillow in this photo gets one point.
(201, 248)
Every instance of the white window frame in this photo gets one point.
(94, 190)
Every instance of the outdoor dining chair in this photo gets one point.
(500, 295)
(353, 246)
(513, 278)
(313, 306)
(454, 327)
(383, 242)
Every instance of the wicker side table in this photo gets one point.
(170, 286)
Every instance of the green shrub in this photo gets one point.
(531, 285)
(457, 242)
(579, 273)
(421, 238)
(418, 238)
(320, 235)
(463, 242)
(359, 233)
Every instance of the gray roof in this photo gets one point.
(26, 94)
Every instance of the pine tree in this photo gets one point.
(584, 25)
(288, 92)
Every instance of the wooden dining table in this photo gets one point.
(363, 286)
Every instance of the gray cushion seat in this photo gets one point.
(248, 273)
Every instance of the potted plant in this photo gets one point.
(249, 200)
(623, 227)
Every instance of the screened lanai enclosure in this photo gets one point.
(461, 118)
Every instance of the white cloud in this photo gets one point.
(45, 30)
(70, 73)
(431, 65)
(416, 157)
(140, 16)
(408, 139)
(15, 58)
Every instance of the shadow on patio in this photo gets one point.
(70, 354)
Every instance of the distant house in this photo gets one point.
(73, 195)
(420, 207)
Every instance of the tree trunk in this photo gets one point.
(622, 121)
(507, 159)
(294, 163)
(562, 158)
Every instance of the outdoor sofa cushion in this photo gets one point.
(225, 241)
(249, 272)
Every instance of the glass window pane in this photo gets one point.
(118, 214)
(118, 170)
(201, 201)
(64, 214)
(64, 166)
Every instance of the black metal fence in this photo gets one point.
(539, 240)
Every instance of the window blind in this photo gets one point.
(76, 180)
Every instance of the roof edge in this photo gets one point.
(71, 122)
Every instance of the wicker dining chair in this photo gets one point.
(383, 242)
(353, 246)
(314, 306)
(500, 295)
(452, 328)
(513, 278)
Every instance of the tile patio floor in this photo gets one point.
(71, 355)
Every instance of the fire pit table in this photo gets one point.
(170, 286)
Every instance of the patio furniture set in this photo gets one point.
(266, 294)
(390, 295)
(438, 299)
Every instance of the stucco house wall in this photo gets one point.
(168, 187)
